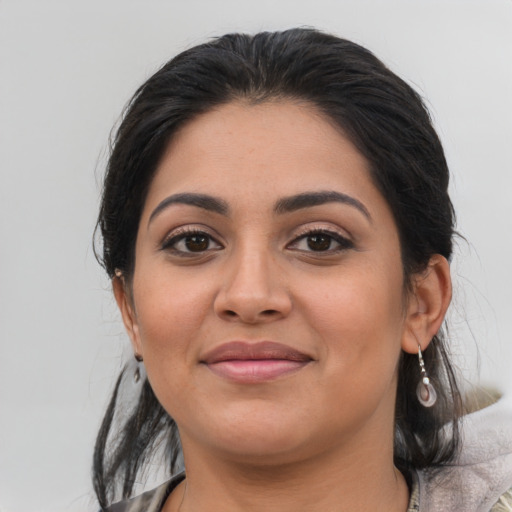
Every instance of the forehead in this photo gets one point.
(270, 149)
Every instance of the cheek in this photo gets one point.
(169, 315)
(170, 311)
(359, 317)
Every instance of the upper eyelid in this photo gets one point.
(190, 229)
(321, 228)
(334, 235)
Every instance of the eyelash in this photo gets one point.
(343, 242)
(169, 244)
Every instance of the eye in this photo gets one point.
(321, 241)
(189, 242)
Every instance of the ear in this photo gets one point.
(126, 307)
(428, 303)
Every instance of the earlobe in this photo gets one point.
(125, 305)
(428, 303)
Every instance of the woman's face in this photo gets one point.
(267, 298)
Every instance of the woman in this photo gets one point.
(277, 227)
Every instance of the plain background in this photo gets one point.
(67, 69)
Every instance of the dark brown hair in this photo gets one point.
(389, 124)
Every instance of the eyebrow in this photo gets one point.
(204, 201)
(309, 199)
(284, 205)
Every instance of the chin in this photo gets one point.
(255, 436)
(264, 451)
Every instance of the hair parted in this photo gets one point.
(388, 123)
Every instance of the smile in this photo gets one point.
(257, 362)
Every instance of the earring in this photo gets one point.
(136, 375)
(425, 392)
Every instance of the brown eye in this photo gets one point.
(319, 242)
(197, 243)
(191, 243)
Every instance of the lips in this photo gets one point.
(254, 362)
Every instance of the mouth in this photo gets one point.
(254, 362)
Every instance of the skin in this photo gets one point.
(321, 437)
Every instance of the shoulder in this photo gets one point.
(504, 504)
(481, 476)
(150, 501)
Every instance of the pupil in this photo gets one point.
(319, 242)
(196, 243)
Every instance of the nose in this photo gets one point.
(252, 289)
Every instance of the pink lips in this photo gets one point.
(254, 362)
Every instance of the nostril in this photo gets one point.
(267, 313)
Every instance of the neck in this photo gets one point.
(338, 482)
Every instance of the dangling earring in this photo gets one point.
(136, 375)
(425, 392)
